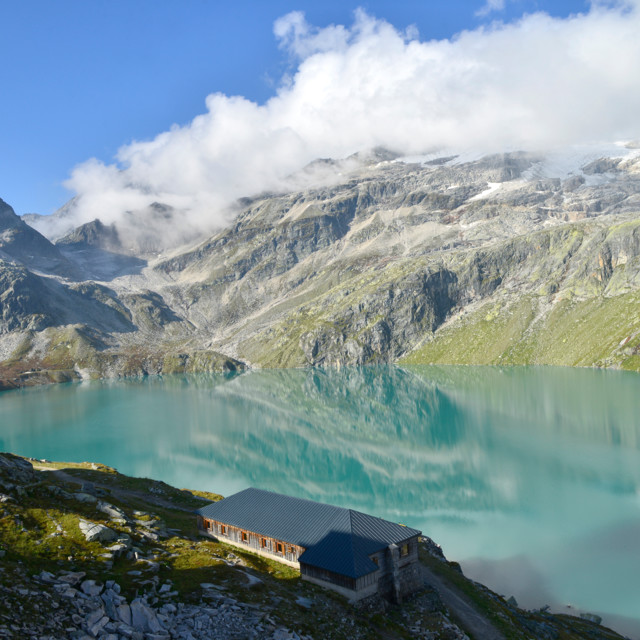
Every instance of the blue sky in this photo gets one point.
(82, 78)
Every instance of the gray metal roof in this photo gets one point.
(336, 539)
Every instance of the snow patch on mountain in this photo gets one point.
(563, 163)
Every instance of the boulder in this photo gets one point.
(94, 616)
(99, 532)
(96, 628)
(72, 578)
(118, 549)
(143, 618)
(115, 513)
(91, 587)
(85, 497)
(146, 533)
(304, 602)
(114, 586)
(110, 604)
(46, 577)
(124, 613)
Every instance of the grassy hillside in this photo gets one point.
(601, 331)
(161, 559)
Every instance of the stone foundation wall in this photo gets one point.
(410, 580)
(402, 575)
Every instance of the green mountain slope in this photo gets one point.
(501, 259)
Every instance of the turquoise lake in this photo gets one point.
(529, 477)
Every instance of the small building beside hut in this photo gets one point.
(353, 553)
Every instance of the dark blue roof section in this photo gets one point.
(336, 539)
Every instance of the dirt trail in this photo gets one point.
(116, 492)
(472, 622)
(462, 609)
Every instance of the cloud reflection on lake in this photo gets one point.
(528, 476)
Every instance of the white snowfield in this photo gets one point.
(557, 163)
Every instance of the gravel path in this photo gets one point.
(462, 609)
(117, 492)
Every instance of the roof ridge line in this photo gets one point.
(352, 539)
(324, 504)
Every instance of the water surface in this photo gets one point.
(530, 477)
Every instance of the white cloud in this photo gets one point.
(541, 82)
(491, 5)
(300, 38)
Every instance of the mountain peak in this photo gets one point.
(94, 234)
(8, 217)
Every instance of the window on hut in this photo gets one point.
(404, 550)
(245, 536)
(223, 530)
(263, 542)
(279, 547)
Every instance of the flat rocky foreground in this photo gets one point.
(75, 607)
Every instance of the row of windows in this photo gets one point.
(210, 527)
(280, 547)
(264, 544)
(245, 537)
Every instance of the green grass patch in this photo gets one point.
(571, 333)
(488, 336)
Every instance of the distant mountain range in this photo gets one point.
(517, 258)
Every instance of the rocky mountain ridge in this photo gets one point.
(514, 258)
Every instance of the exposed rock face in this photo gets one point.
(15, 470)
(394, 260)
(93, 234)
(382, 323)
(22, 243)
(98, 250)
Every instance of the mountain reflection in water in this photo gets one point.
(529, 476)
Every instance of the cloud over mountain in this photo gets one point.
(537, 83)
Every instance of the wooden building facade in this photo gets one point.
(353, 553)
(252, 541)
